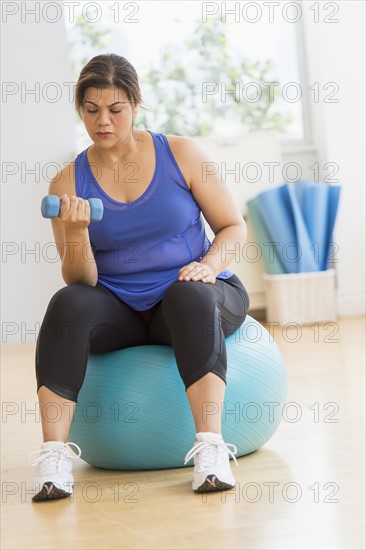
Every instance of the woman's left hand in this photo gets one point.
(196, 271)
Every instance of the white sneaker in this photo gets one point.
(53, 478)
(212, 470)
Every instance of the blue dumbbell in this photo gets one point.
(51, 205)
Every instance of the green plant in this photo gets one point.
(175, 87)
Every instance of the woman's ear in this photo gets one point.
(135, 110)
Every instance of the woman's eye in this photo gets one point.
(97, 111)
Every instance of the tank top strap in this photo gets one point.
(81, 174)
(171, 167)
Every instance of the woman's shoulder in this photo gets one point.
(179, 142)
(64, 181)
(182, 148)
(189, 154)
(184, 145)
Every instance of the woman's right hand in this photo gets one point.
(74, 212)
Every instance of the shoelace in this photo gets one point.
(211, 450)
(50, 457)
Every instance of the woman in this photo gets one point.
(145, 274)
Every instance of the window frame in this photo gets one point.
(307, 142)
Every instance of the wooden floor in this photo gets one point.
(303, 490)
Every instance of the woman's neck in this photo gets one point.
(120, 152)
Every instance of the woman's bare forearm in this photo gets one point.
(78, 262)
(226, 247)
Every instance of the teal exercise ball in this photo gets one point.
(133, 412)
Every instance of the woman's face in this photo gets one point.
(107, 115)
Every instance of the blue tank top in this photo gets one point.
(140, 246)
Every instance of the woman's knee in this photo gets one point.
(187, 295)
(74, 297)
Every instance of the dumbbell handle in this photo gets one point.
(51, 206)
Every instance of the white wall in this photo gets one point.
(335, 53)
(34, 130)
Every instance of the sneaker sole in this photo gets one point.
(50, 492)
(211, 484)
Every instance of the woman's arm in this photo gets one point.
(71, 233)
(218, 207)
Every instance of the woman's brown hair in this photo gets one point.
(106, 71)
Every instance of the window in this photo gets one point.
(200, 74)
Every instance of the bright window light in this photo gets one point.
(199, 74)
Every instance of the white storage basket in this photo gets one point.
(300, 297)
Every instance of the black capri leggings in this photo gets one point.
(193, 317)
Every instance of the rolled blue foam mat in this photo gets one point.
(270, 257)
(281, 214)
